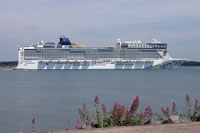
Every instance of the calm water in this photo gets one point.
(53, 97)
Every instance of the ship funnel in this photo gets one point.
(64, 41)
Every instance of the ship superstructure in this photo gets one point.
(68, 55)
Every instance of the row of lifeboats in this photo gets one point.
(117, 61)
(62, 61)
(133, 61)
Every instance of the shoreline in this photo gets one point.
(192, 127)
(8, 64)
(8, 67)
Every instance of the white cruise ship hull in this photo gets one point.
(74, 64)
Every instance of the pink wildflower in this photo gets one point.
(196, 103)
(127, 112)
(104, 110)
(88, 116)
(188, 101)
(33, 120)
(141, 114)
(76, 127)
(85, 108)
(97, 99)
(78, 121)
(165, 112)
(123, 108)
(168, 109)
(187, 98)
(174, 110)
(198, 108)
(111, 111)
(148, 112)
(115, 105)
(103, 107)
(134, 105)
(118, 112)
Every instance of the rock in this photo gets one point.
(152, 122)
(198, 118)
(95, 125)
(175, 119)
(86, 126)
(167, 121)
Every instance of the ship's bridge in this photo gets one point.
(148, 45)
(137, 44)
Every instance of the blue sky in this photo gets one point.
(100, 23)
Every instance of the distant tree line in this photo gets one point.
(8, 63)
(191, 63)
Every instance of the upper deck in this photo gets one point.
(119, 45)
(126, 50)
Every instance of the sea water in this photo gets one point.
(53, 97)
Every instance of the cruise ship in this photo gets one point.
(68, 55)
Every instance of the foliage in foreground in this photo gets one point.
(120, 115)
